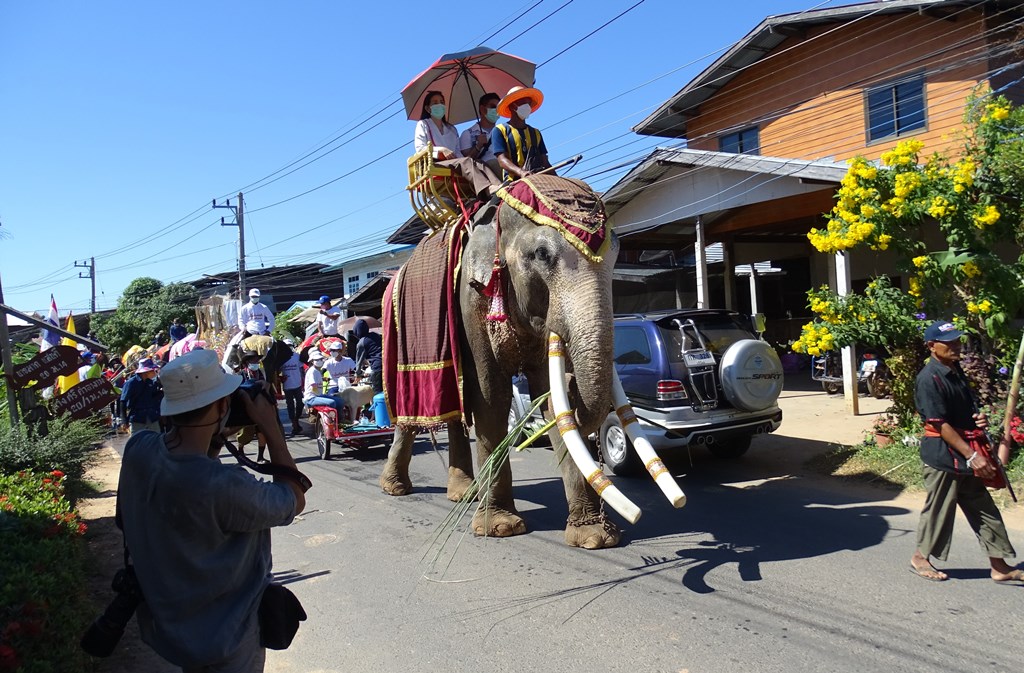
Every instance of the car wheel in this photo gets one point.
(734, 447)
(323, 445)
(832, 387)
(616, 449)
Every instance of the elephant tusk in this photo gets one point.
(565, 419)
(643, 447)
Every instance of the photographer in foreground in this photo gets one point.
(197, 530)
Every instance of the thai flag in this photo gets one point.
(51, 339)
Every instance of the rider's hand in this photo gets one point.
(981, 420)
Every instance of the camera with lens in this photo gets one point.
(238, 416)
(104, 633)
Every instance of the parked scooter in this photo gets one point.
(871, 371)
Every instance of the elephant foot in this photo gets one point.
(498, 523)
(393, 483)
(458, 484)
(592, 533)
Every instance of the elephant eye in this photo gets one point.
(542, 254)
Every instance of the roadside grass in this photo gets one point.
(897, 466)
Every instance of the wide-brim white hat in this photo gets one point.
(194, 380)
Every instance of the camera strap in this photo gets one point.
(270, 469)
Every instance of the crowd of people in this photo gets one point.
(488, 148)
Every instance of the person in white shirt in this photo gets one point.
(291, 375)
(339, 367)
(328, 317)
(433, 127)
(255, 317)
(475, 142)
(313, 387)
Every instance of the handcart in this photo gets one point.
(333, 426)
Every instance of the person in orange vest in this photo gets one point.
(519, 147)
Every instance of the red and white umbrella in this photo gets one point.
(463, 77)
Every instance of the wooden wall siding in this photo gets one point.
(811, 92)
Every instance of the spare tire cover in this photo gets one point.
(751, 375)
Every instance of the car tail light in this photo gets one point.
(671, 390)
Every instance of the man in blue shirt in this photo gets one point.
(198, 530)
(140, 398)
(519, 147)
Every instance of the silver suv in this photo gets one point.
(699, 377)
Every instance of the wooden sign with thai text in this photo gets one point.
(46, 366)
(85, 398)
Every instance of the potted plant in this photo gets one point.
(883, 429)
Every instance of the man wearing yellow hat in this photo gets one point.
(519, 147)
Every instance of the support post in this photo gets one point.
(851, 389)
(754, 303)
(239, 222)
(730, 275)
(91, 265)
(8, 362)
(700, 255)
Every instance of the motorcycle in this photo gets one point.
(871, 372)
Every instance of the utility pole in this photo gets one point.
(239, 222)
(91, 265)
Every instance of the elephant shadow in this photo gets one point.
(780, 519)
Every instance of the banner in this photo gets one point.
(82, 400)
(45, 366)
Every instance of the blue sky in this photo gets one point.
(121, 121)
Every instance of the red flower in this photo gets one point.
(57, 473)
(82, 528)
(47, 481)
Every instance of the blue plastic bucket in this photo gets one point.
(380, 411)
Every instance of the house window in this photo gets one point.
(895, 108)
(746, 141)
(372, 274)
(353, 284)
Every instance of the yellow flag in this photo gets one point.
(65, 383)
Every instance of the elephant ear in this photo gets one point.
(475, 263)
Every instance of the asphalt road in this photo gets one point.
(765, 569)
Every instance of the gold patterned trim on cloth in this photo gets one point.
(655, 467)
(599, 480)
(425, 366)
(428, 420)
(599, 230)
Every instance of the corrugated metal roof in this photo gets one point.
(669, 120)
(692, 198)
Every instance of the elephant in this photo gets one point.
(553, 285)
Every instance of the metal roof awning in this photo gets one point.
(676, 186)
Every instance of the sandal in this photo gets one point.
(930, 573)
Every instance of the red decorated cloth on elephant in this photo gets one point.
(567, 204)
(422, 377)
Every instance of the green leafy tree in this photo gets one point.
(145, 307)
(283, 326)
(973, 200)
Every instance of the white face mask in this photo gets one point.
(524, 111)
(254, 366)
(254, 300)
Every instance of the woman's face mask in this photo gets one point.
(437, 110)
(524, 111)
(492, 115)
(253, 366)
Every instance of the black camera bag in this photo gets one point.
(280, 613)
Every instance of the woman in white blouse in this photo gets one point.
(433, 128)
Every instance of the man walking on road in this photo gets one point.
(140, 398)
(953, 471)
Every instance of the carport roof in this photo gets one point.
(669, 120)
(705, 182)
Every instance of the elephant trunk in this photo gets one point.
(589, 339)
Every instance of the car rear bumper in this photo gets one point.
(713, 427)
